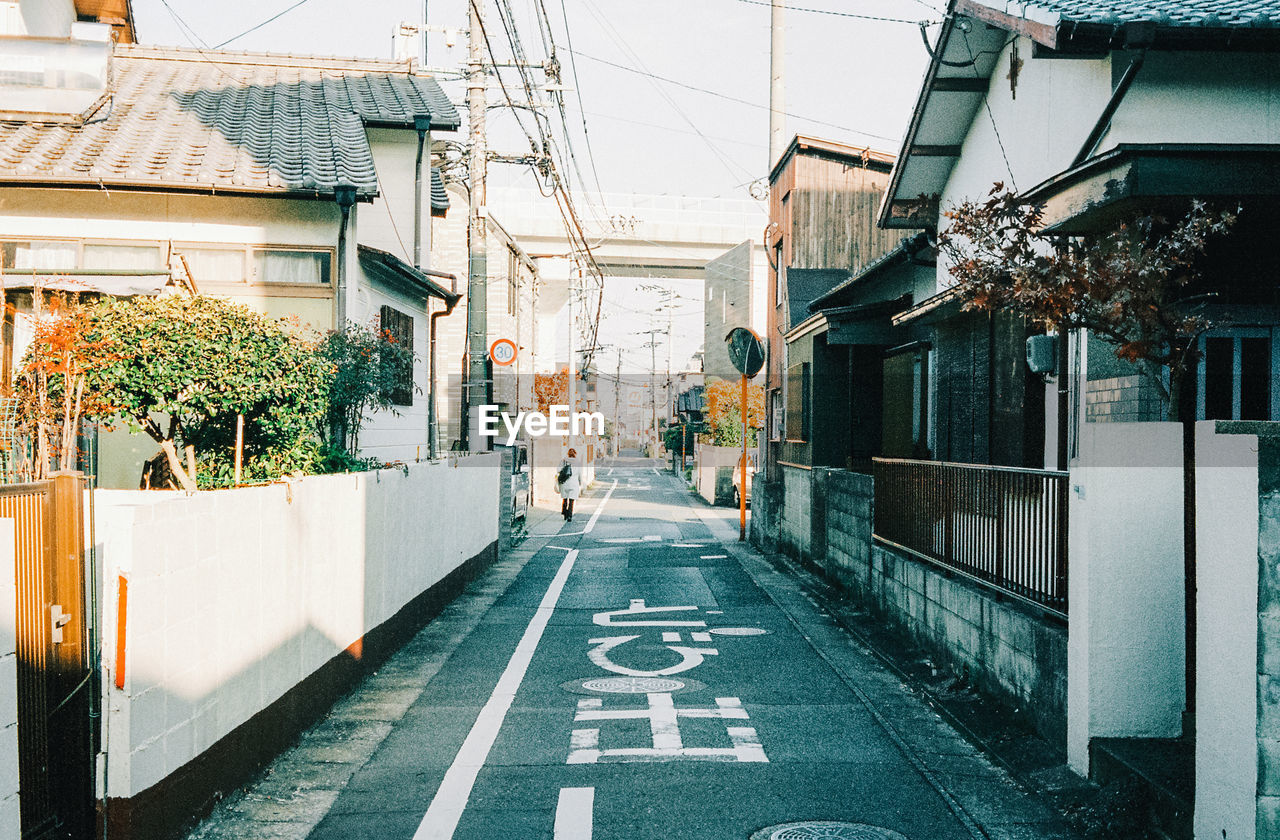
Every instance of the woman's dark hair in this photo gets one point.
(573, 453)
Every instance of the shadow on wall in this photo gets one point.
(250, 611)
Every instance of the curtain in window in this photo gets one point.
(291, 266)
(54, 255)
(215, 265)
(121, 257)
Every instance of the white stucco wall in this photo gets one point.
(235, 596)
(9, 817)
(1125, 638)
(1040, 130)
(45, 18)
(1226, 635)
(399, 435)
(387, 223)
(1201, 97)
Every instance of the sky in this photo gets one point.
(644, 135)
(848, 78)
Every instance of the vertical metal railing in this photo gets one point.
(1003, 526)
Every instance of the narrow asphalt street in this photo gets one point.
(634, 674)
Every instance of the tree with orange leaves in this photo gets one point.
(724, 411)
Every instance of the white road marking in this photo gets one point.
(591, 523)
(714, 557)
(671, 637)
(606, 619)
(651, 538)
(689, 657)
(620, 540)
(687, 545)
(663, 717)
(701, 637)
(446, 808)
(575, 812)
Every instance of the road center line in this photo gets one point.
(591, 523)
(575, 812)
(441, 819)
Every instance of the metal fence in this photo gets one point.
(1002, 526)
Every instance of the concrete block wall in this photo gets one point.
(1011, 652)
(796, 520)
(10, 825)
(1267, 820)
(237, 596)
(1006, 650)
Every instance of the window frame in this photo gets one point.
(1237, 336)
(401, 328)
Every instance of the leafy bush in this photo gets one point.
(200, 362)
(367, 369)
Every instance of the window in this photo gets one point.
(798, 402)
(399, 328)
(122, 257)
(278, 265)
(38, 254)
(1237, 375)
(214, 265)
(779, 274)
(776, 414)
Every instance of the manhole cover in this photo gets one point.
(821, 828)
(738, 631)
(631, 685)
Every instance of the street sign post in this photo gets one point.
(503, 352)
(747, 355)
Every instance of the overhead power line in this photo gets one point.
(729, 98)
(854, 15)
(258, 26)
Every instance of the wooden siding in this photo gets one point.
(833, 209)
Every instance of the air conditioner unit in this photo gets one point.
(1042, 353)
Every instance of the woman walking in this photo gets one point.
(568, 485)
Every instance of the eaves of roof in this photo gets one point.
(864, 156)
(947, 102)
(904, 251)
(959, 73)
(419, 280)
(935, 306)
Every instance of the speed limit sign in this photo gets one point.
(503, 352)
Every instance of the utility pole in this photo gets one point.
(617, 397)
(473, 389)
(573, 368)
(777, 54)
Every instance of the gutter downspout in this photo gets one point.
(345, 195)
(1135, 36)
(432, 422)
(422, 124)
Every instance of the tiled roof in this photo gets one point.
(1215, 13)
(439, 195)
(201, 120)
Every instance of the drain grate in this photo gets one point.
(813, 830)
(631, 685)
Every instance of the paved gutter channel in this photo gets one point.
(296, 791)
